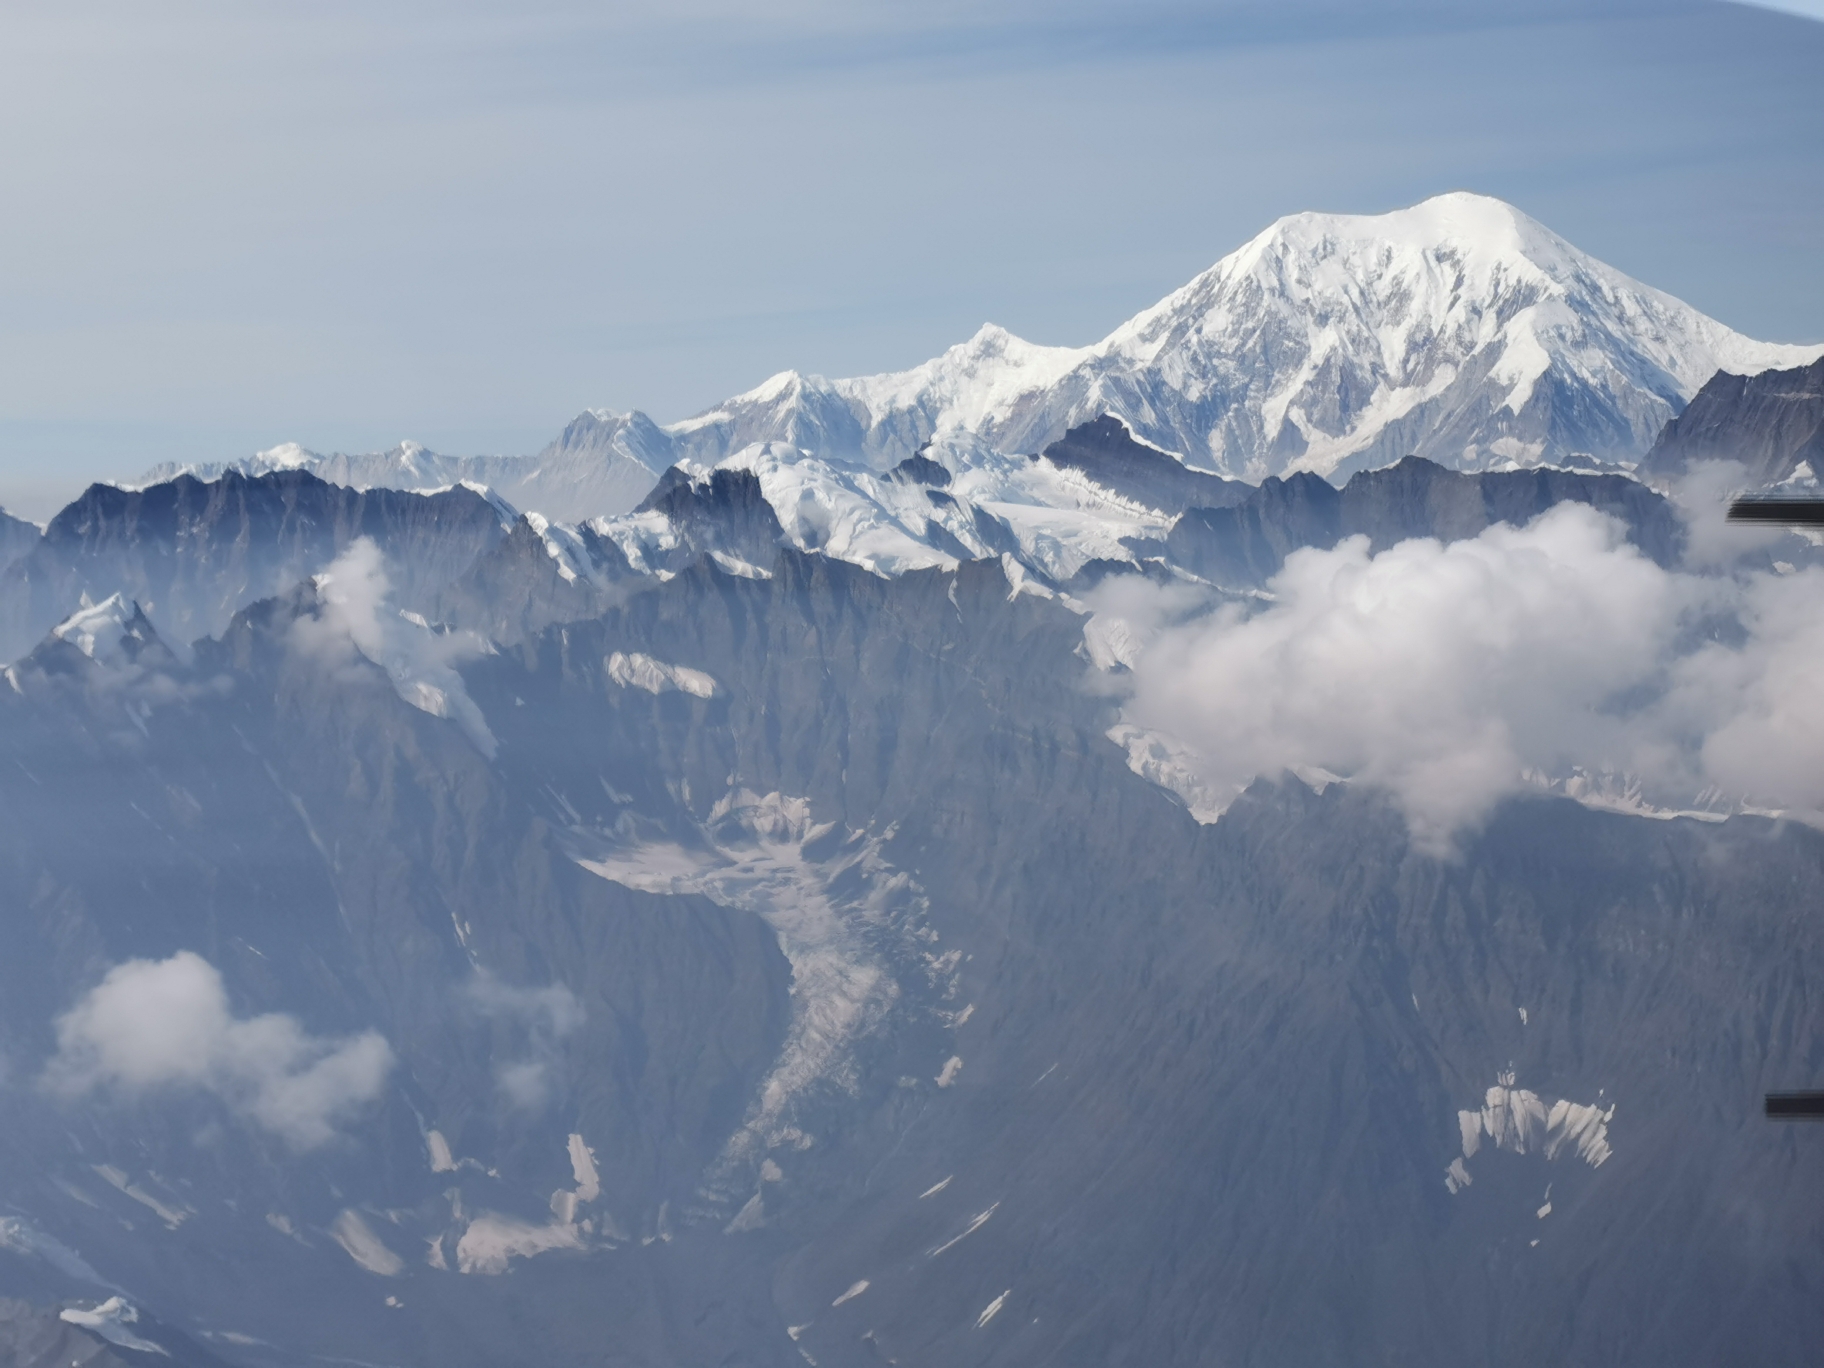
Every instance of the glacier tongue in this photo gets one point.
(854, 928)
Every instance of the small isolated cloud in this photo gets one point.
(1451, 675)
(543, 1017)
(153, 1024)
(355, 617)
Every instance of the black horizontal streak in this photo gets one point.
(1791, 512)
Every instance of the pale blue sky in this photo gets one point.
(228, 226)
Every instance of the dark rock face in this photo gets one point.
(229, 824)
(726, 513)
(17, 536)
(191, 553)
(1106, 452)
(1246, 544)
(1769, 423)
(921, 470)
(521, 585)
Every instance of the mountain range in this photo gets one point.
(788, 968)
(742, 916)
(1459, 330)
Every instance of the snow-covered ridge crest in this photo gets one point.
(965, 389)
(96, 629)
(987, 505)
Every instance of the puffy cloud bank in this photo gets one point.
(1452, 675)
(153, 1024)
(355, 614)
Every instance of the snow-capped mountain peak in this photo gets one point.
(285, 456)
(1458, 329)
(972, 383)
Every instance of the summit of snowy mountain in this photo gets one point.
(114, 633)
(1459, 329)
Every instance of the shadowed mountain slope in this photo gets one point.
(192, 554)
(899, 1019)
(1770, 423)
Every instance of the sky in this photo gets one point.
(228, 225)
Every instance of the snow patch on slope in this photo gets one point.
(1521, 1121)
(637, 671)
(493, 1239)
(360, 1243)
(110, 1320)
(21, 1237)
(96, 629)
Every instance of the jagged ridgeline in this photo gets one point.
(728, 915)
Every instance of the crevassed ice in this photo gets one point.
(1520, 1120)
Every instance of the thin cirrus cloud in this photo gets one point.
(166, 1025)
(1453, 675)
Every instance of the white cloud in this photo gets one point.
(355, 615)
(153, 1024)
(544, 1016)
(553, 1011)
(1453, 675)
